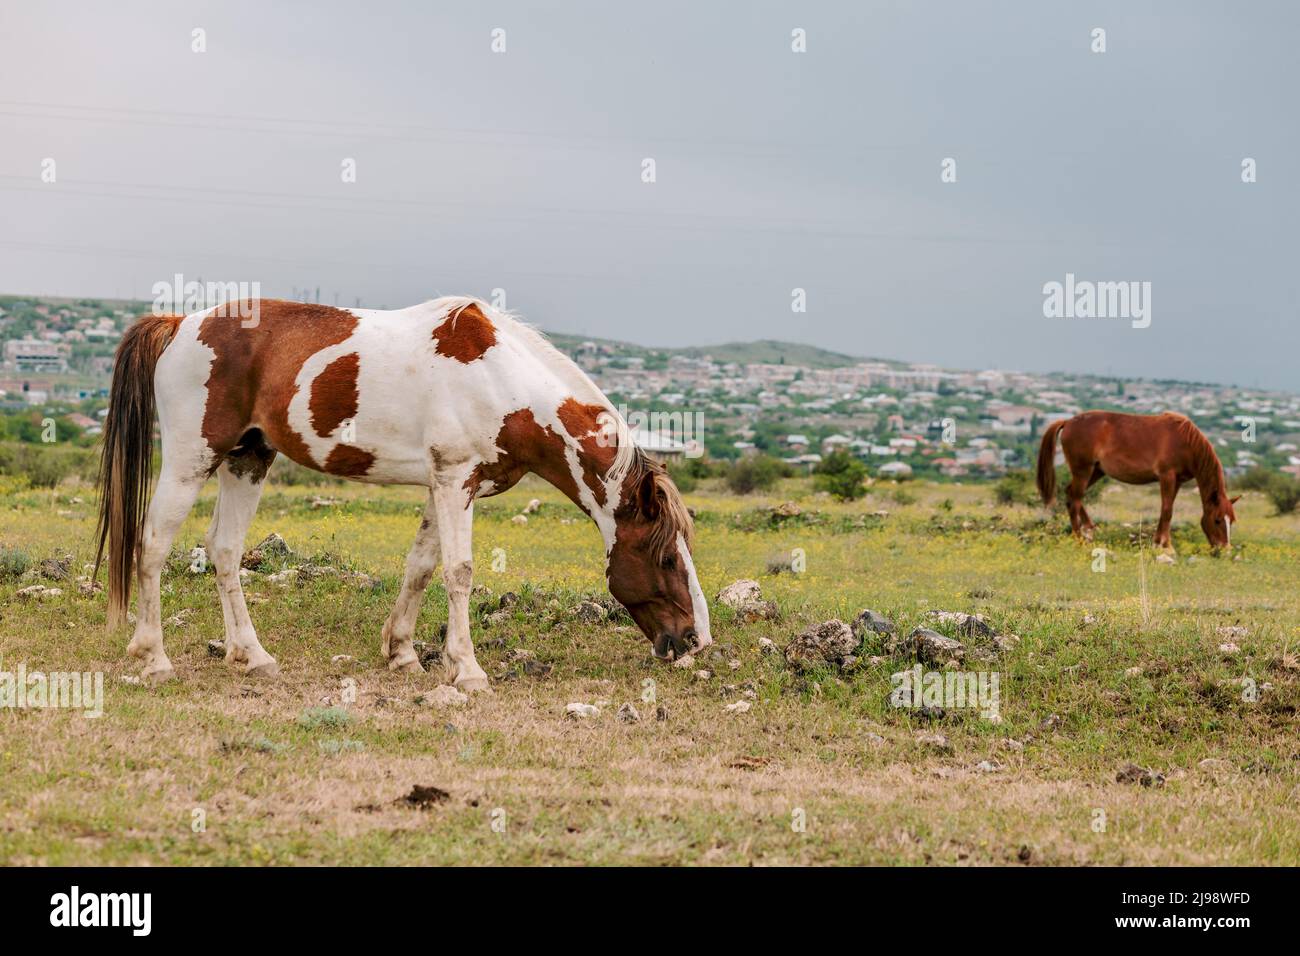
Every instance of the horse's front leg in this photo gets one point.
(1168, 492)
(455, 512)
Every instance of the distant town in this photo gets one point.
(788, 401)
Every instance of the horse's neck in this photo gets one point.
(1209, 478)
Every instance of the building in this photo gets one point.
(34, 355)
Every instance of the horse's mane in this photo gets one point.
(1205, 461)
(673, 517)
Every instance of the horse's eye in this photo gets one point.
(669, 562)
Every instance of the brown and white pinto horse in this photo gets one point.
(451, 395)
(1137, 450)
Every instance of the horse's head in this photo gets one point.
(1218, 518)
(650, 569)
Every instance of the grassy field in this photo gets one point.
(1112, 667)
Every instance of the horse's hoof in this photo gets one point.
(473, 685)
(410, 665)
(268, 670)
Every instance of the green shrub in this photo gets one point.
(45, 466)
(756, 473)
(1284, 492)
(841, 474)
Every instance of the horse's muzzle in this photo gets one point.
(669, 647)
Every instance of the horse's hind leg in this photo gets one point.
(421, 562)
(1088, 526)
(1074, 504)
(236, 504)
(172, 499)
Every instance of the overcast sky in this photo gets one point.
(774, 170)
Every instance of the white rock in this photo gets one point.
(442, 696)
(1228, 648)
(703, 674)
(519, 519)
(576, 710)
(739, 707)
(684, 662)
(532, 506)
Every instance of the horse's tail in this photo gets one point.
(1047, 462)
(126, 458)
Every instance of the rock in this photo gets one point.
(872, 622)
(1165, 559)
(56, 569)
(988, 766)
(875, 739)
(274, 546)
(578, 710)
(589, 612)
(283, 577)
(217, 649)
(628, 714)
(1229, 648)
(519, 519)
(131, 679)
(935, 741)
(968, 625)
(931, 648)
(317, 501)
(507, 600)
(532, 506)
(37, 592)
(703, 675)
(343, 659)
(661, 712)
(313, 572)
(1010, 743)
(442, 696)
(739, 707)
(252, 559)
(198, 560)
(1215, 765)
(362, 581)
(1132, 773)
(830, 642)
(766, 646)
(734, 664)
(684, 661)
(745, 597)
(88, 588)
(1135, 671)
(1232, 631)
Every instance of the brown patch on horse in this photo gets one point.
(582, 422)
(525, 446)
(348, 461)
(334, 394)
(465, 334)
(254, 372)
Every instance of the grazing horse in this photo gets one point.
(451, 395)
(1137, 450)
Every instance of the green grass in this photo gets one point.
(311, 768)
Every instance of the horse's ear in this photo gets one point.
(1233, 501)
(647, 496)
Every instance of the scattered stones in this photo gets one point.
(703, 675)
(988, 766)
(734, 664)
(343, 659)
(1132, 773)
(831, 642)
(519, 519)
(1136, 671)
(1233, 632)
(929, 647)
(318, 501)
(1166, 559)
(130, 679)
(739, 707)
(1010, 743)
(274, 546)
(283, 578)
(37, 592)
(198, 560)
(532, 507)
(578, 711)
(1050, 722)
(217, 649)
(1229, 649)
(685, 661)
(442, 696)
(745, 597)
(628, 714)
(766, 646)
(362, 581)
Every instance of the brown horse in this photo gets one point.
(1137, 450)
